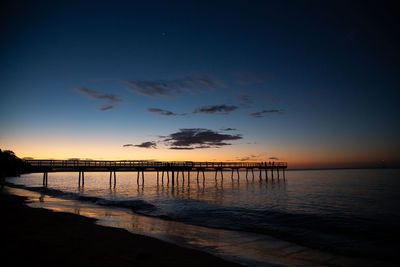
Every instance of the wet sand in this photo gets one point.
(47, 238)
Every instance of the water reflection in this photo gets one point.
(242, 247)
(227, 188)
(218, 188)
(42, 197)
(81, 189)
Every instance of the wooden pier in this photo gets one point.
(163, 169)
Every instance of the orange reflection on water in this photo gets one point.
(241, 247)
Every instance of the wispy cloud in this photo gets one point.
(245, 99)
(98, 95)
(265, 112)
(251, 157)
(164, 112)
(150, 144)
(181, 148)
(163, 88)
(228, 129)
(250, 77)
(199, 138)
(273, 158)
(224, 109)
(128, 145)
(106, 108)
(147, 145)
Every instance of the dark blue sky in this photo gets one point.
(315, 83)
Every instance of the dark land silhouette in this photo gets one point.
(11, 165)
(47, 238)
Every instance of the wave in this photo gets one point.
(134, 205)
(334, 232)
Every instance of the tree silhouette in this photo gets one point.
(11, 165)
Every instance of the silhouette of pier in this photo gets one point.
(163, 169)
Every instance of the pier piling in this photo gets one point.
(45, 176)
(82, 166)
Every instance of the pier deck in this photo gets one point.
(82, 166)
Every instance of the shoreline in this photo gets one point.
(226, 245)
(35, 235)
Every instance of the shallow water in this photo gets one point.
(340, 212)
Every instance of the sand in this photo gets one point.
(46, 238)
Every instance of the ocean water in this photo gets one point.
(344, 213)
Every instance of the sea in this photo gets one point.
(340, 217)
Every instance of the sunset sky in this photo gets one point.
(314, 84)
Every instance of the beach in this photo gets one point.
(297, 221)
(39, 236)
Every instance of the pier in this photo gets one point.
(165, 170)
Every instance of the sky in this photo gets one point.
(312, 83)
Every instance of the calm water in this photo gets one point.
(344, 212)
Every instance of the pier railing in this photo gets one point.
(141, 166)
(152, 164)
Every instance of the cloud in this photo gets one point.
(164, 88)
(251, 157)
(264, 112)
(163, 112)
(214, 109)
(245, 100)
(192, 138)
(143, 145)
(249, 77)
(152, 89)
(106, 108)
(147, 145)
(97, 95)
(190, 148)
(195, 138)
(128, 145)
(273, 158)
(228, 129)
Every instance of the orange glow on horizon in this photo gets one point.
(201, 155)
(297, 157)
